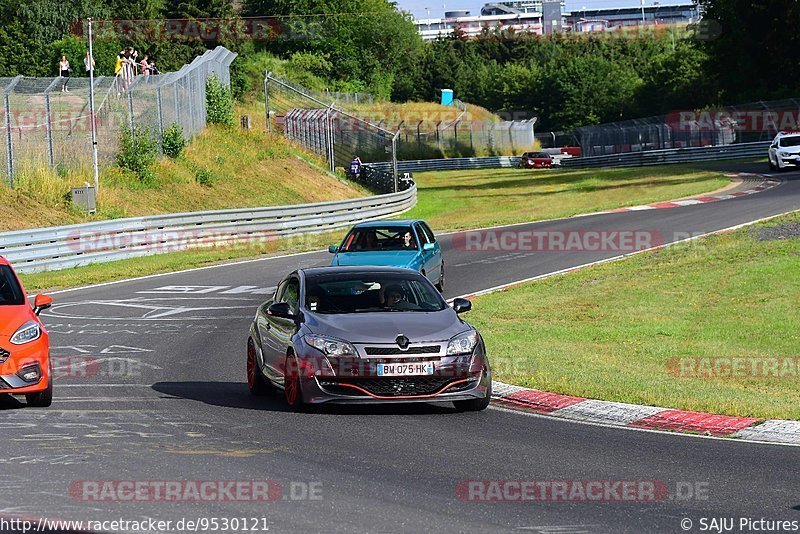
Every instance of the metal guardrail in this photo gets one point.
(628, 159)
(452, 164)
(677, 155)
(75, 245)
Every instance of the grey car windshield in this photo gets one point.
(790, 141)
(377, 238)
(371, 293)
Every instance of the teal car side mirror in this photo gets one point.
(428, 246)
(333, 249)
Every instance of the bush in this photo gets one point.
(138, 150)
(173, 142)
(204, 177)
(219, 103)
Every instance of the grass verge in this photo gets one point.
(652, 329)
(221, 168)
(488, 197)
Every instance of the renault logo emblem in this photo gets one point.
(402, 341)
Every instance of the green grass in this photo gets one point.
(221, 168)
(610, 331)
(470, 199)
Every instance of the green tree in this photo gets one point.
(366, 40)
(752, 47)
(587, 90)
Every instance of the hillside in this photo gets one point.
(220, 169)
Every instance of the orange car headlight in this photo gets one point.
(30, 331)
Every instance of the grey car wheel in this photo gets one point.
(256, 382)
(475, 405)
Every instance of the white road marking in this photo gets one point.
(91, 349)
(637, 429)
(153, 309)
(183, 290)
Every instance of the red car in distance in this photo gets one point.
(535, 160)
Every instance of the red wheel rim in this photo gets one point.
(251, 365)
(290, 386)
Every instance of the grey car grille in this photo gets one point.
(392, 387)
(391, 351)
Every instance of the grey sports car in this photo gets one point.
(366, 335)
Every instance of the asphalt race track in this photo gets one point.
(157, 392)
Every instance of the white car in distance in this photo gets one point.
(784, 152)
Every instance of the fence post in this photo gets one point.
(266, 100)
(160, 110)
(9, 149)
(394, 160)
(9, 142)
(131, 122)
(49, 123)
(330, 147)
(190, 79)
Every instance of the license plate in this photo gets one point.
(405, 369)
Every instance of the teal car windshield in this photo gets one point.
(379, 238)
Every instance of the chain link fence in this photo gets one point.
(463, 137)
(324, 128)
(47, 121)
(745, 123)
(319, 124)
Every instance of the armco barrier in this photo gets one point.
(677, 155)
(628, 159)
(452, 164)
(61, 247)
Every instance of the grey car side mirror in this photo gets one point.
(462, 305)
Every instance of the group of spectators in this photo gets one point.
(126, 67)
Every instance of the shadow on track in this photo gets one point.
(7, 402)
(236, 395)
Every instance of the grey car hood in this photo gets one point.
(384, 327)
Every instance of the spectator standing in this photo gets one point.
(119, 72)
(64, 71)
(88, 63)
(355, 167)
(145, 65)
(133, 63)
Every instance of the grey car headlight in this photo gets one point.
(463, 343)
(30, 331)
(330, 346)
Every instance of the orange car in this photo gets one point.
(25, 366)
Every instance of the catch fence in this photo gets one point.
(733, 125)
(46, 122)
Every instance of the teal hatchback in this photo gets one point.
(400, 243)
